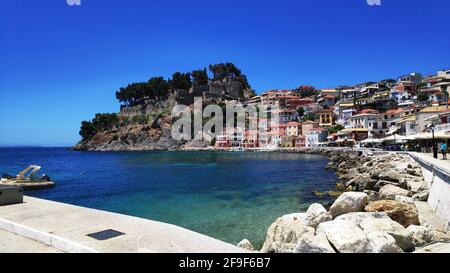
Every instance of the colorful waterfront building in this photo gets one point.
(352, 136)
(230, 139)
(332, 138)
(251, 139)
(315, 136)
(308, 125)
(293, 128)
(285, 116)
(300, 142)
(423, 116)
(326, 117)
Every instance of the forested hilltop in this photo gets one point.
(144, 121)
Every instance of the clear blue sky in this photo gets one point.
(61, 64)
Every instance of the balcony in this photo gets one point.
(442, 127)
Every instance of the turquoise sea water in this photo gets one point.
(229, 196)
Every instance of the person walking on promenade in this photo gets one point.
(444, 150)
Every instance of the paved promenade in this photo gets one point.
(11, 243)
(66, 228)
(445, 164)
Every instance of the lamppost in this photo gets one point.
(435, 148)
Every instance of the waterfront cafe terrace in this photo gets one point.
(351, 136)
(437, 129)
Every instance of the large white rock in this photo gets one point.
(422, 235)
(316, 215)
(404, 199)
(356, 217)
(345, 237)
(246, 244)
(381, 242)
(388, 192)
(310, 243)
(416, 186)
(349, 202)
(284, 234)
(394, 229)
(421, 196)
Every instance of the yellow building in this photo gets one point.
(326, 117)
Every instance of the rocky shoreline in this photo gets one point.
(376, 212)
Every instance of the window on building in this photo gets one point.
(384, 125)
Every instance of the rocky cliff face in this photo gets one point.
(147, 126)
(133, 137)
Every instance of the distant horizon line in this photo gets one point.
(35, 146)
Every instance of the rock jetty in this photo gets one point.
(375, 214)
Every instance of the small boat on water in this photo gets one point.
(237, 149)
(27, 179)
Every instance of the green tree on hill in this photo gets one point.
(180, 81)
(301, 111)
(87, 130)
(200, 77)
(306, 91)
(422, 96)
(335, 129)
(157, 87)
(229, 71)
(101, 122)
(310, 116)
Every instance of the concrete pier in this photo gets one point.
(12, 243)
(437, 175)
(65, 228)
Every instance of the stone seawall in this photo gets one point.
(437, 177)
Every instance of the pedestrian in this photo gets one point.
(444, 150)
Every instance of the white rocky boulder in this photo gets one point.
(349, 202)
(284, 234)
(356, 217)
(388, 192)
(345, 236)
(422, 196)
(422, 235)
(404, 199)
(310, 243)
(381, 242)
(316, 215)
(416, 185)
(390, 176)
(394, 229)
(246, 244)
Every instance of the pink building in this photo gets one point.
(300, 142)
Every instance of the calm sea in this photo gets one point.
(229, 196)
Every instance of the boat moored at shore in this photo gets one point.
(28, 182)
